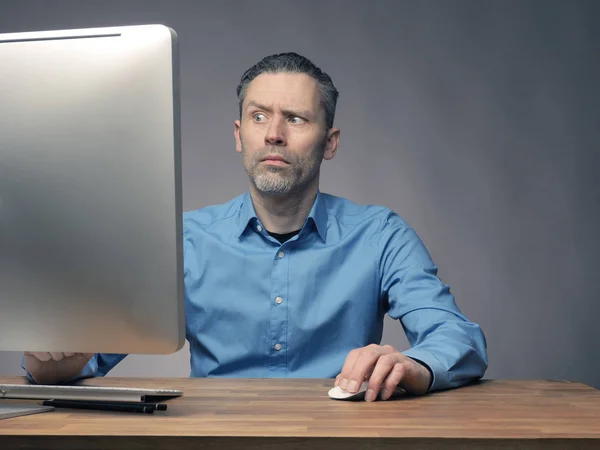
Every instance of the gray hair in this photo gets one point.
(293, 63)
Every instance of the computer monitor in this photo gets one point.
(90, 191)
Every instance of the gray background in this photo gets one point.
(475, 120)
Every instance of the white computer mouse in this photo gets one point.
(341, 394)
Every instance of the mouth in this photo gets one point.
(274, 159)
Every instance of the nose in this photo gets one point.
(275, 134)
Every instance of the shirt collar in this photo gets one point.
(317, 215)
(246, 215)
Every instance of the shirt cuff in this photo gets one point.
(439, 376)
(27, 374)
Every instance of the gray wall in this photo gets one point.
(475, 120)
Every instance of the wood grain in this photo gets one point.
(278, 413)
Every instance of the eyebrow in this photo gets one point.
(287, 112)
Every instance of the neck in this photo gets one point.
(283, 214)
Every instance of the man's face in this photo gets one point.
(282, 133)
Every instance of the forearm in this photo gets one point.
(455, 351)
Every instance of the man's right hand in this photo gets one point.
(55, 367)
(55, 356)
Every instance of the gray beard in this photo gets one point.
(282, 181)
(274, 182)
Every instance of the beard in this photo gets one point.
(282, 180)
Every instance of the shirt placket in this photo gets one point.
(278, 344)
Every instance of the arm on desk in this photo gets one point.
(67, 369)
(441, 337)
(54, 368)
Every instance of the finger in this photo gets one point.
(364, 364)
(57, 356)
(395, 377)
(42, 356)
(338, 378)
(348, 367)
(382, 369)
(67, 354)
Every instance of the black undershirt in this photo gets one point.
(283, 237)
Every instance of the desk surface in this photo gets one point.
(277, 413)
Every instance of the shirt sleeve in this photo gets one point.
(441, 337)
(98, 366)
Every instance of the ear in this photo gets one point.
(333, 139)
(236, 133)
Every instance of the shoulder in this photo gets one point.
(382, 226)
(212, 215)
(348, 212)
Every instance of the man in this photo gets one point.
(287, 281)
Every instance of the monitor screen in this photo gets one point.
(90, 191)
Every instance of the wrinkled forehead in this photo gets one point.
(285, 91)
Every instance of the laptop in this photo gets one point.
(90, 393)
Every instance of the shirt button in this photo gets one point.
(259, 228)
(278, 300)
(277, 347)
(281, 254)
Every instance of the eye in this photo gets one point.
(258, 117)
(297, 120)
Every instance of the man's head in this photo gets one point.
(285, 130)
(293, 63)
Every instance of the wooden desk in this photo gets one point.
(276, 414)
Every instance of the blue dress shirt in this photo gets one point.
(259, 308)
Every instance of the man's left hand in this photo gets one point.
(384, 367)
